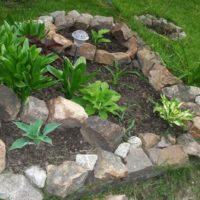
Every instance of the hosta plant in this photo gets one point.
(23, 69)
(170, 110)
(73, 76)
(99, 36)
(97, 98)
(33, 134)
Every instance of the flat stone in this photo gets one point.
(34, 109)
(190, 146)
(163, 143)
(135, 141)
(131, 44)
(56, 13)
(193, 107)
(137, 160)
(116, 197)
(36, 175)
(104, 57)
(17, 187)
(195, 129)
(172, 155)
(122, 32)
(2, 156)
(123, 149)
(66, 112)
(109, 166)
(182, 92)
(197, 100)
(149, 139)
(102, 22)
(159, 77)
(102, 133)
(83, 21)
(87, 50)
(46, 19)
(65, 179)
(87, 160)
(9, 104)
(122, 58)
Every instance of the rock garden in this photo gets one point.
(85, 103)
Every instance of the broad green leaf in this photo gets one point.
(22, 126)
(50, 127)
(20, 143)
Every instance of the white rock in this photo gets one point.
(2, 156)
(123, 149)
(46, 19)
(135, 141)
(197, 100)
(36, 175)
(87, 160)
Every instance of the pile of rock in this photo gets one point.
(162, 26)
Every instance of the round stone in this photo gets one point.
(135, 141)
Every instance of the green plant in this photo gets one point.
(98, 98)
(32, 134)
(170, 110)
(23, 69)
(73, 77)
(98, 36)
(31, 28)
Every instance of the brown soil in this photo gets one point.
(136, 94)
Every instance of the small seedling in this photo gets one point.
(98, 37)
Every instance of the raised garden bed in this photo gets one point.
(87, 151)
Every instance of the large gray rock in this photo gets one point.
(123, 149)
(190, 146)
(2, 156)
(182, 92)
(137, 160)
(83, 21)
(56, 13)
(34, 109)
(109, 166)
(65, 179)
(102, 133)
(36, 175)
(9, 104)
(17, 187)
(100, 22)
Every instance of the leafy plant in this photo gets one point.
(31, 28)
(97, 98)
(170, 110)
(33, 134)
(99, 36)
(23, 69)
(73, 77)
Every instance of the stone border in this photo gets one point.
(162, 26)
(114, 162)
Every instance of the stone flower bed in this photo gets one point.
(108, 159)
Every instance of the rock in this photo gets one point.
(190, 146)
(122, 32)
(9, 104)
(87, 50)
(172, 155)
(87, 160)
(74, 14)
(171, 139)
(34, 109)
(197, 100)
(149, 139)
(135, 142)
(182, 92)
(163, 143)
(102, 133)
(17, 187)
(159, 77)
(83, 21)
(122, 58)
(46, 19)
(109, 166)
(137, 160)
(36, 175)
(62, 22)
(101, 22)
(56, 13)
(65, 179)
(49, 27)
(2, 156)
(131, 44)
(193, 107)
(116, 197)
(123, 149)
(147, 60)
(66, 112)
(195, 129)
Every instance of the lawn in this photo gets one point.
(181, 57)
